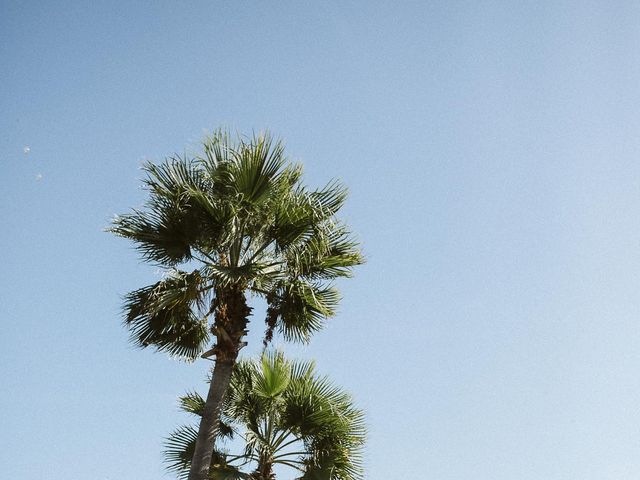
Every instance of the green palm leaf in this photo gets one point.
(179, 448)
(256, 167)
(164, 315)
(274, 376)
(302, 308)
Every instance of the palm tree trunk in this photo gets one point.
(231, 318)
(264, 471)
(210, 422)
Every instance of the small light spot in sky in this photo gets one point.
(26, 149)
(38, 177)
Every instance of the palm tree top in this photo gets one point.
(235, 217)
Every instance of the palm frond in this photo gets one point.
(333, 429)
(330, 199)
(173, 178)
(164, 315)
(242, 274)
(192, 403)
(294, 219)
(217, 148)
(161, 236)
(329, 253)
(179, 449)
(167, 229)
(302, 308)
(255, 167)
(273, 376)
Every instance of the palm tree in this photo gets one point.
(284, 414)
(233, 221)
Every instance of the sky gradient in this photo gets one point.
(492, 153)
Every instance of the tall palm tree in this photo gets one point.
(286, 415)
(233, 221)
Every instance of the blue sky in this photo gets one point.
(491, 150)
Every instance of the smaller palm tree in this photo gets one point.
(284, 414)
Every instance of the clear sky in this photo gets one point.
(492, 152)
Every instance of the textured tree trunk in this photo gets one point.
(264, 471)
(210, 422)
(231, 318)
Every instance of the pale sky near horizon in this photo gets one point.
(492, 154)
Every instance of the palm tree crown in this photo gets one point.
(240, 215)
(285, 414)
